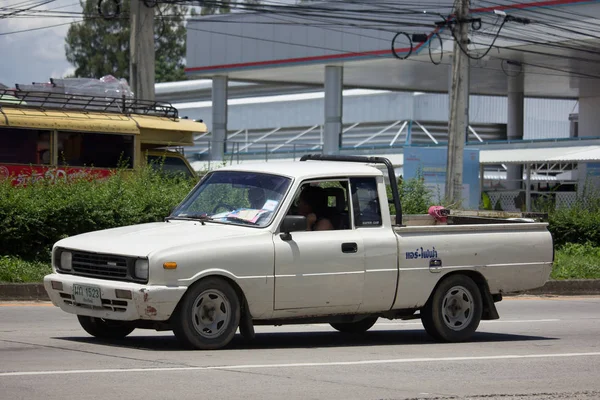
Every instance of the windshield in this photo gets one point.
(243, 198)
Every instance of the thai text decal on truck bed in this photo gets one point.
(421, 254)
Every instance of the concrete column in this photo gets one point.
(219, 118)
(514, 125)
(589, 104)
(334, 77)
(589, 126)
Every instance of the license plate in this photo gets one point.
(89, 295)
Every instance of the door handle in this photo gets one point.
(349, 247)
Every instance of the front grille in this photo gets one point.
(100, 266)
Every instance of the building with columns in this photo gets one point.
(536, 74)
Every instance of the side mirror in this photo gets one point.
(292, 223)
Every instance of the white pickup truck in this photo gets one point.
(235, 254)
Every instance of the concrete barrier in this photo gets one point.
(23, 291)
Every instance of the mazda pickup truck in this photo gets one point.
(241, 250)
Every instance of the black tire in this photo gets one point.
(355, 327)
(208, 315)
(453, 313)
(105, 328)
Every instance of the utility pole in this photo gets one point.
(141, 51)
(459, 106)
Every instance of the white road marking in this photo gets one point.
(296, 365)
(497, 321)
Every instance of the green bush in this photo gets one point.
(34, 217)
(16, 270)
(579, 224)
(577, 261)
(415, 198)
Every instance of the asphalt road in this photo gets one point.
(541, 348)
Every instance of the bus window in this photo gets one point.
(24, 146)
(169, 165)
(95, 150)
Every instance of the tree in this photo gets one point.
(99, 47)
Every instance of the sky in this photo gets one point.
(38, 55)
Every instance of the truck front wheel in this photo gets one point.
(453, 313)
(104, 328)
(208, 316)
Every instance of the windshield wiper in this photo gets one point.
(193, 217)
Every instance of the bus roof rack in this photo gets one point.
(81, 102)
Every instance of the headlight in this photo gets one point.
(141, 269)
(66, 260)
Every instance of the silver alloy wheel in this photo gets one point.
(211, 313)
(457, 308)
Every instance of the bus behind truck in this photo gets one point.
(58, 136)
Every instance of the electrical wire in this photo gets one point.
(441, 49)
(560, 14)
(336, 23)
(493, 45)
(486, 52)
(335, 17)
(552, 45)
(410, 48)
(511, 62)
(161, 20)
(113, 15)
(39, 28)
(563, 72)
(26, 9)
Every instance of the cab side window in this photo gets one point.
(365, 199)
(325, 200)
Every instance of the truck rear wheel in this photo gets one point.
(208, 316)
(104, 328)
(355, 327)
(453, 313)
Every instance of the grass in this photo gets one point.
(577, 261)
(16, 270)
(573, 261)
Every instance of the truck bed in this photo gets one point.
(512, 255)
(472, 218)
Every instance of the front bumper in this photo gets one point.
(148, 302)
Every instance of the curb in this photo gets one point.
(575, 287)
(23, 291)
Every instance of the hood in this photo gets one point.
(141, 240)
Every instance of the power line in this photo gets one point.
(26, 9)
(564, 71)
(556, 13)
(40, 28)
(516, 39)
(339, 18)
